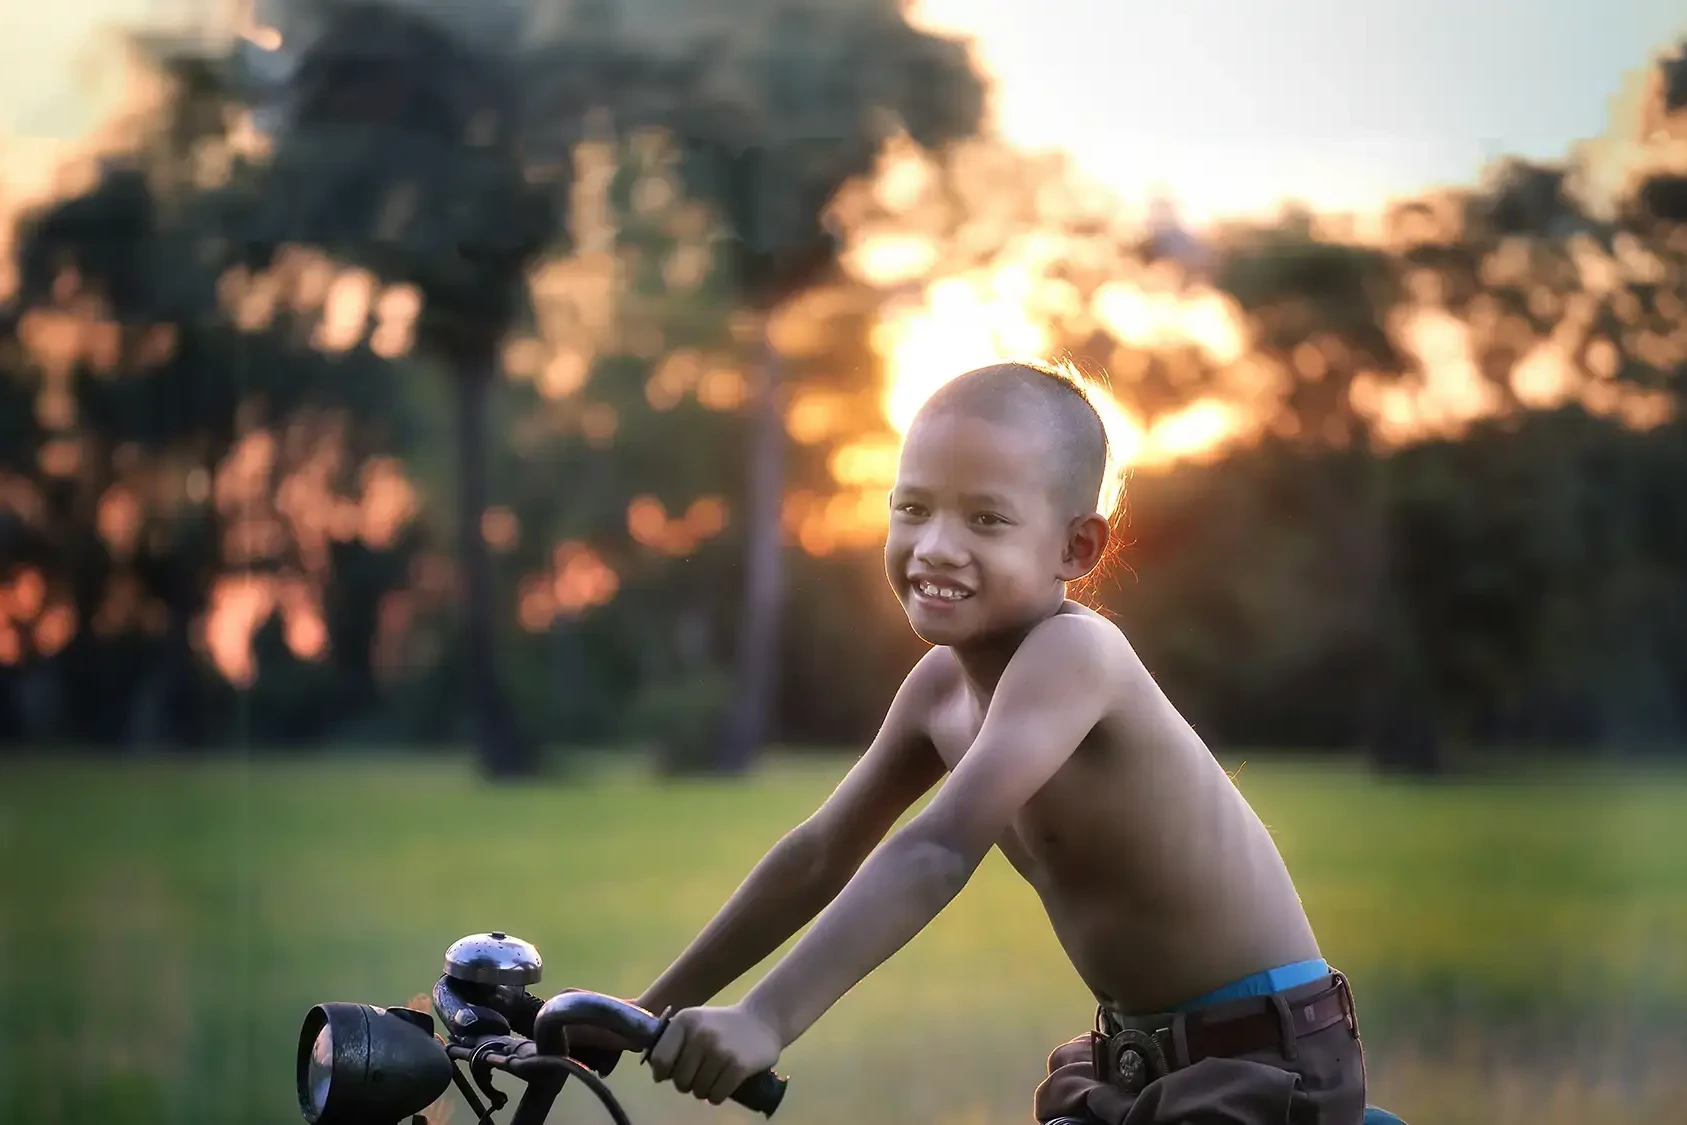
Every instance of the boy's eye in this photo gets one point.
(909, 508)
(990, 519)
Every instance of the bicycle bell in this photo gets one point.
(494, 958)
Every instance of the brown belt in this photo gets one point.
(1133, 1056)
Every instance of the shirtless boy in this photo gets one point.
(1163, 887)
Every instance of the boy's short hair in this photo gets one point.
(1060, 401)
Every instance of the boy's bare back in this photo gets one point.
(1159, 880)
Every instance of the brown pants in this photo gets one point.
(1322, 1084)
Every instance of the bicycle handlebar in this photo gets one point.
(761, 1093)
(357, 1063)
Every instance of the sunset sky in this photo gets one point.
(1233, 105)
(1236, 104)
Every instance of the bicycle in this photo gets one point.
(359, 1064)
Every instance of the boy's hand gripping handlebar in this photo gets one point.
(761, 1093)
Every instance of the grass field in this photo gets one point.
(1519, 949)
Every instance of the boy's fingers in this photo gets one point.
(666, 1051)
(708, 1074)
(691, 1057)
(682, 1061)
(727, 1081)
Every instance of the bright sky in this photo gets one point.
(58, 78)
(1235, 105)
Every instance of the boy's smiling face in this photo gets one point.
(977, 543)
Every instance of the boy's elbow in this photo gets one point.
(942, 865)
(814, 858)
(948, 841)
(825, 861)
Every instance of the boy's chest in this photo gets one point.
(953, 726)
(954, 723)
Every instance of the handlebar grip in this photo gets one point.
(762, 1093)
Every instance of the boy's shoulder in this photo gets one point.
(1083, 660)
(1074, 635)
(1078, 634)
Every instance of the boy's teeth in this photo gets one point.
(945, 592)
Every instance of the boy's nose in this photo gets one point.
(939, 547)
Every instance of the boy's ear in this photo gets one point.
(1086, 544)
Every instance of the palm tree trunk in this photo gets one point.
(1403, 735)
(502, 751)
(750, 718)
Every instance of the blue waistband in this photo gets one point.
(1280, 979)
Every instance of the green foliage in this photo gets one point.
(1532, 564)
(169, 401)
(773, 106)
(397, 152)
(680, 718)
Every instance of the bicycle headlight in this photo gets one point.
(359, 1064)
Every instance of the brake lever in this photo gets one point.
(481, 1070)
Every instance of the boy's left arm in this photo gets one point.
(1052, 693)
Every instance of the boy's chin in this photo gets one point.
(945, 629)
(970, 624)
(939, 636)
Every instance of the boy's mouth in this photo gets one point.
(939, 589)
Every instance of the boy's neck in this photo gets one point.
(983, 662)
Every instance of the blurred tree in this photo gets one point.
(1551, 305)
(1427, 557)
(783, 102)
(773, 106)
(630, 391)
(398, 149)
(1321, 313)
(178, 455)
(1324, 318)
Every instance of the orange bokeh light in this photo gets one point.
(582, 581)
(649, 524)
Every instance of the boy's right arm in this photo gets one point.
(807, 868)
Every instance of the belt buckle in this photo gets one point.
(1131, 1058)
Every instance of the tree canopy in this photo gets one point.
(417, 292)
